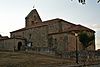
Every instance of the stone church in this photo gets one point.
(37, 35)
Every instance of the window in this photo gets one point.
(30, 36)
(32, 22)
(34, 18)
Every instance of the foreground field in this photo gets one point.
(30, 59)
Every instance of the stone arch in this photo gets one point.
(19, 46)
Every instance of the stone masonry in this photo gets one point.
(52, 35)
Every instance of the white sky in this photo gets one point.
(13, 13)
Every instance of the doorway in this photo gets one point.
(19, 46)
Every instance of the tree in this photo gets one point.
(85, 39)
(84, 1)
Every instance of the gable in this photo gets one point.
(32, 18)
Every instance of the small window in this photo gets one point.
(30, 36)
(32, 22)
(34, 18)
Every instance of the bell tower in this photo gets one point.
(32, 18)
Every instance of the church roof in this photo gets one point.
(75, 27)
(34, 11)
(23, 29)
(80, 28)
(45, 23)
(56, 20)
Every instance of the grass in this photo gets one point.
(23, 59)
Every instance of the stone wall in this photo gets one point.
(7, 44)
(66, 26)
(56, 29)
(17, 41)
(71, 42)
(54, 26)
(72, 38)
(10, 44)
(19, 34)
(38, 36)
(58, 42)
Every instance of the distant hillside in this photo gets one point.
(29, 59)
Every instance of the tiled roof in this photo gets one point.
(23, 29)
(57, 20)
(74, 26)
(79, 28)
(12, 38)
(45, 23)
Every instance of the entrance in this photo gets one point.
(19, 46)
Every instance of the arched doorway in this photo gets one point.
(19, 46)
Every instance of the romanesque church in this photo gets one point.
(51, 35)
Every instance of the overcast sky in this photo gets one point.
(13, 13)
